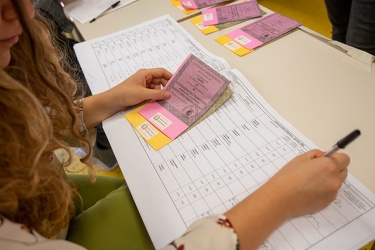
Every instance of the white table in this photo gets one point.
(315, 86)
(307, 81)
(304, 78)
(128, 16)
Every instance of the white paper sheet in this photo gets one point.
(85, 10)
(220, 161)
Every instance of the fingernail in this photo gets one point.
(166, 94)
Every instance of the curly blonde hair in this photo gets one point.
(37, 112)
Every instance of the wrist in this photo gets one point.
(279, 194)
(96, 108)
(114, 100)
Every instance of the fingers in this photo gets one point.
(342, 161)
(313, 180)
(154, 86)
(156, 76)
(340, 158)
(145, 84)
(337, 164)
(343, 175)
(155, 94)
(156, 83)
(315, 153)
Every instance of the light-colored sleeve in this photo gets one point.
(212, 232)
(14, 236)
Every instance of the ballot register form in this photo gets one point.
(219, 162)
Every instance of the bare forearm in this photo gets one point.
(98, 108)
(258, 216)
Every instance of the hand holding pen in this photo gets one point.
(343, 142)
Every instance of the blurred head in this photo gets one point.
(10, 25)
(37, 113)
(32, 191)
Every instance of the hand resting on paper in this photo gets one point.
(306, 184)
(145, 84)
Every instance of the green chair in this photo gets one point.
(107, 217)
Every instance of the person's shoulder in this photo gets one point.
(18, 236)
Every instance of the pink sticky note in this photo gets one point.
(244, 39)
(263, 30)
(231, 13)
(163, 120)
(195, 87)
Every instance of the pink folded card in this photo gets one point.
(195, 87)
(231, 13)
(198, 4)
(262, 31)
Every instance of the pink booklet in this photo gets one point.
(195, 87)
(263, 30)
(198, 4)
(231, 13)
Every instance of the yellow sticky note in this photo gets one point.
(178, 5)
(152, 135)
(198, 22)
(232, 45)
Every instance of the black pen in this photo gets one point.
(344, 142)
(109, 8)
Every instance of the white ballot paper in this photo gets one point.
(217, 163)
(85, 10)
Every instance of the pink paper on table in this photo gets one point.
(198, 4)
(263, 30)
(195, 87)
(231, 13)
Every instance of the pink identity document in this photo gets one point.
(262, 31)
(231, 13)
(198, 4)
(195, 87)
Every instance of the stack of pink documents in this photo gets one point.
(197, 91)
